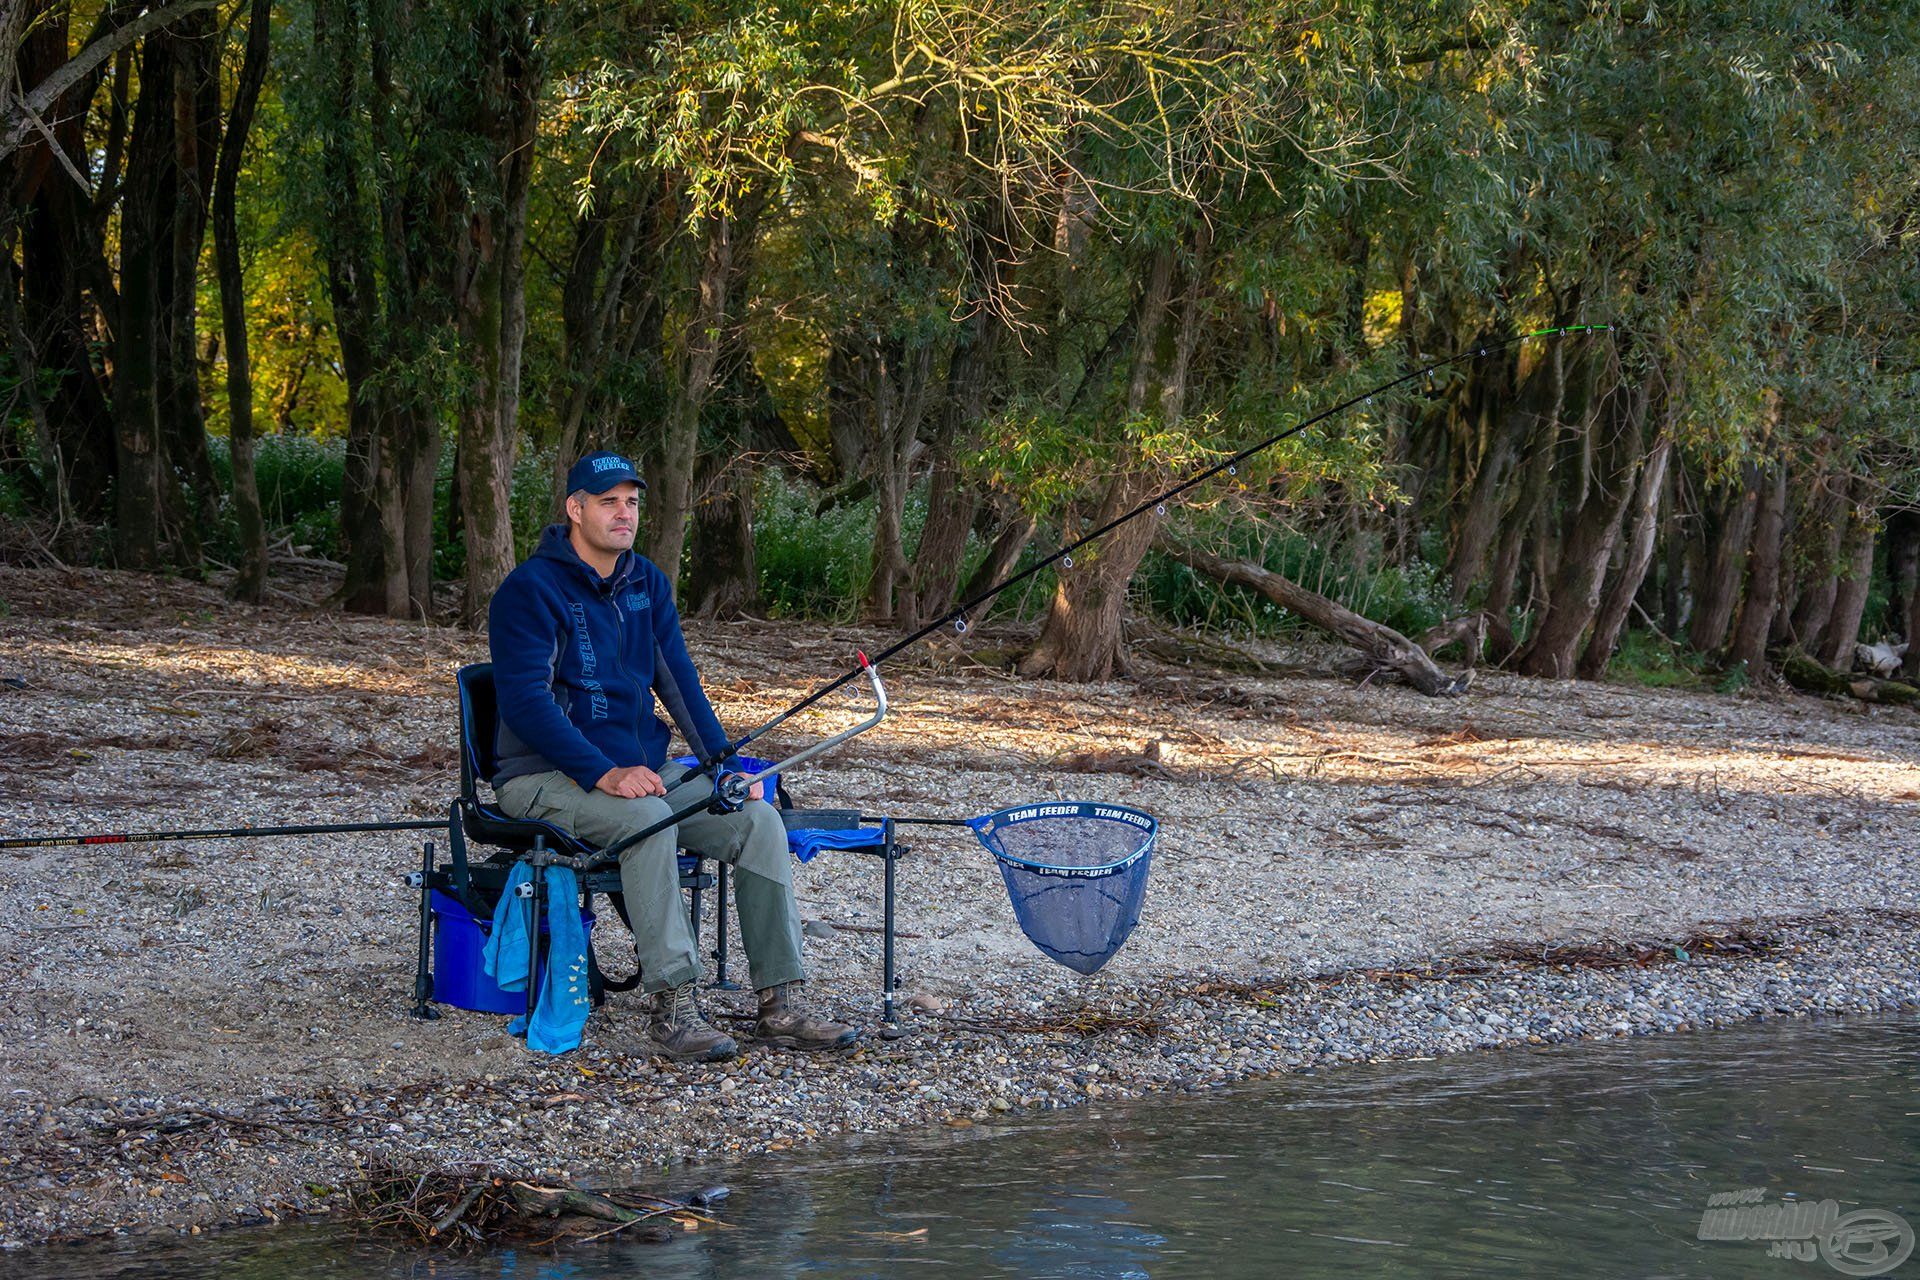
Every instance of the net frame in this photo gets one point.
(1144, 825)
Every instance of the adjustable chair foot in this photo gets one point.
(725, 984)
(892, 1031)
(424, 1013)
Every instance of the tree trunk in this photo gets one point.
(1383, 646)
(671, 464)
(1674, 548)
(1625, 582)
(1856, 576)
(27, 372)
(942, 549)
(143, 481)
(897, 375)
(250, 584)
(1823, 529)
(196, 139)
(1903, 567)
(951, 504)
(372, 524)
(492, 304)
(1763, 579)
(590, 301)
(1003, 552)
(1590, 543)
(722, 579)
(62, 258)
(1717, 589)
(1497, 410)
(1081, 638)
(1536, 474)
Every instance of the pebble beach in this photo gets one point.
(217, 1033)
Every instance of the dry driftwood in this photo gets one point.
(551, 1202)
(1470, 633)
(1382, 646)
(1184, 649)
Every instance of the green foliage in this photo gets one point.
(299, 480)
(810, 566)
(1646, 658)
(1329, 195)
(13, 498)
(1734, 679)
(1409, 597)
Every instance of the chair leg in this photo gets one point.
(720, 981)
(889, 1027)
(533, 934)
(693, 916)
(422, 975)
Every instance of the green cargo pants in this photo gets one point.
(753, 840)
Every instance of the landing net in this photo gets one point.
(1076, 874)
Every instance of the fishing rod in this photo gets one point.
(217, 833)
(957, 615)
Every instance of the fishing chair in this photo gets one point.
(477, 884)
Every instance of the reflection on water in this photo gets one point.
(1583, 1160)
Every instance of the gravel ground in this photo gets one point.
(217, 1032)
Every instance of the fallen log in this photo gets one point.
(1383, 648)
(1808, 676)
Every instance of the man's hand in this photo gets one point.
(631, 783)
(758, 791)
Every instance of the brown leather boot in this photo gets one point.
(783, 1025)
(679, 1032)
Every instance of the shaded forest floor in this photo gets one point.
(1310, 827)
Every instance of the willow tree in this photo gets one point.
(421, 120)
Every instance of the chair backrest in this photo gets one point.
(479, 728)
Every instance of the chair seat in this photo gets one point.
(487, 824)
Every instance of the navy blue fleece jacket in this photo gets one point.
(577, 661)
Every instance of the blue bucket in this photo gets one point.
(459, 976)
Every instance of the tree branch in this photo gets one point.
(23, 110)
(1384, 647)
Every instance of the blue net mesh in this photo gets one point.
(1076, 873)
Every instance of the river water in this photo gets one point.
(1576, 1160)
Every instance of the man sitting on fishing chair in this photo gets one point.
(584, 634)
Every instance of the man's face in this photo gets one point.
(607, 521)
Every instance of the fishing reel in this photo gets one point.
(730, 792)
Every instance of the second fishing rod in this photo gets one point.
(959, 614)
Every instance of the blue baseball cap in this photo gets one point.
(600, 471)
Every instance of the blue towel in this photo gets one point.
(561, 1010)
(505, 955)
(806, 842)
(560, 1007)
